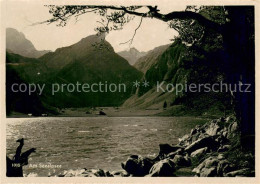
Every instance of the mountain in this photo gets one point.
(24, 70)
(145, 62)
(21, 101)
(91, 60)
(160, 64)
(17, 43)
(170, 65)
(132, 55)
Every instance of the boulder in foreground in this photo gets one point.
(165, 167)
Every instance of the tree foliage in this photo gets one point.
(115, 17)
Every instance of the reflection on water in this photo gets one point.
(92, 142)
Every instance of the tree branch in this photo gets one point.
(153, 12)
(131, 40)
(192, 15)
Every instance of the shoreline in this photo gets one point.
(113, 112)
(209, 150)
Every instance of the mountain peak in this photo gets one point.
(94, 40)
(17, 43)
(133, 49)
(131, 55)
(13, 31)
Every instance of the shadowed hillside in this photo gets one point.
(172, 66)
(145, 62)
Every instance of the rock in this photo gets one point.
(241, 172)
(193, 131)
(199, 152)
(90, 172)
(221, 140)
(102, 113)
(185, 140)
(211, 161)
(208, 172)
(207, 163)
(234, 127)
(220, 132)
(165, 149)
(108, 174)
(120, 173)
(163, 168)
(201, 143)
(224, 167)
(196, 136)
(220, 120)
(224, 148)
(178, 152)
(137, 165)
(225, 133)
(221, 156)
(188, 160)
(76, 173)
(198, 168)
(230, 119)
(102, 173)
(171, 155)
(86, 173)
(180, 160)
(212, 129)
(197, 133)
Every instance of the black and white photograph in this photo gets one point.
(129, 90)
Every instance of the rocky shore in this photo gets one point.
(210, 150)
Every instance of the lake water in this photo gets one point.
(92, 142)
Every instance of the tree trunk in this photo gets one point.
(240, 66)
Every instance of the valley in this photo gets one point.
(93, 61)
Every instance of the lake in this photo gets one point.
(92, 142)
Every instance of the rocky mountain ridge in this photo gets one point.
(132, 55)
(17, 43)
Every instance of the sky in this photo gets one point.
(21, 16)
